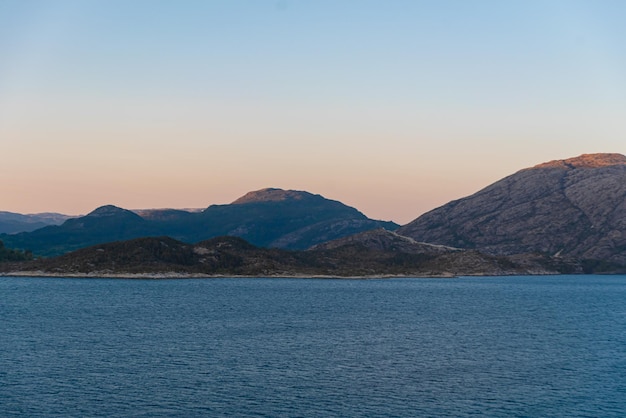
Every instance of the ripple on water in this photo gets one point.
(549, 346)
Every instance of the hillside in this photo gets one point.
(384, 240)
(9, 254)
(231, 256)
(105, 224)
(269, 218)
(574, 207)
(284, 219)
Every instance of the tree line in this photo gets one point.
(9, 254)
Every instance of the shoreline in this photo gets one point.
(177, 275)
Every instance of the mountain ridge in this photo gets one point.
(268, 217)
(585, 161)
(13, 223)
(574, 207)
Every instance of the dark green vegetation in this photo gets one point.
(8, 254)
(233, 256)
(268, 218)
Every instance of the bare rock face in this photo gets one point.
(574, 207)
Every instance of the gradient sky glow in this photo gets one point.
(394, 107)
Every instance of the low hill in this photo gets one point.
(384, 240)
(572, 208)
(232, 256)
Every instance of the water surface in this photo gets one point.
(501, 346)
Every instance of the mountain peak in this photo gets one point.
(586, 161)
(272, 195)
(107, 210)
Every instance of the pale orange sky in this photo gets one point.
(391, 107)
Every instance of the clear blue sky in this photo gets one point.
(394, 107)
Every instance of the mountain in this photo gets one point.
(232, 256)
(571, 208)
(282, 219)
(105, 224)
(267, 218)
(13, 223)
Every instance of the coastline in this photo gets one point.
(178, 275)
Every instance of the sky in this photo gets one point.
(393, 107)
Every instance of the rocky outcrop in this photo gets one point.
(574, 207)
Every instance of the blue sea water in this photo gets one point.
(499, 346)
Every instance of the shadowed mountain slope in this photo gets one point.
(107, 223)
(283, 219)
(269, 218)
(574, 207)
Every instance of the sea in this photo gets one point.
(544, 346)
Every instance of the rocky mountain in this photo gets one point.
(232, 256)
(13, 223)
(570, 208)
(268, 218)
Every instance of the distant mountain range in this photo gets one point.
(11, 223)
(574, 207)
(566, 216)
(268, 218)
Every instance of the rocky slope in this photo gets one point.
(574, 207)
